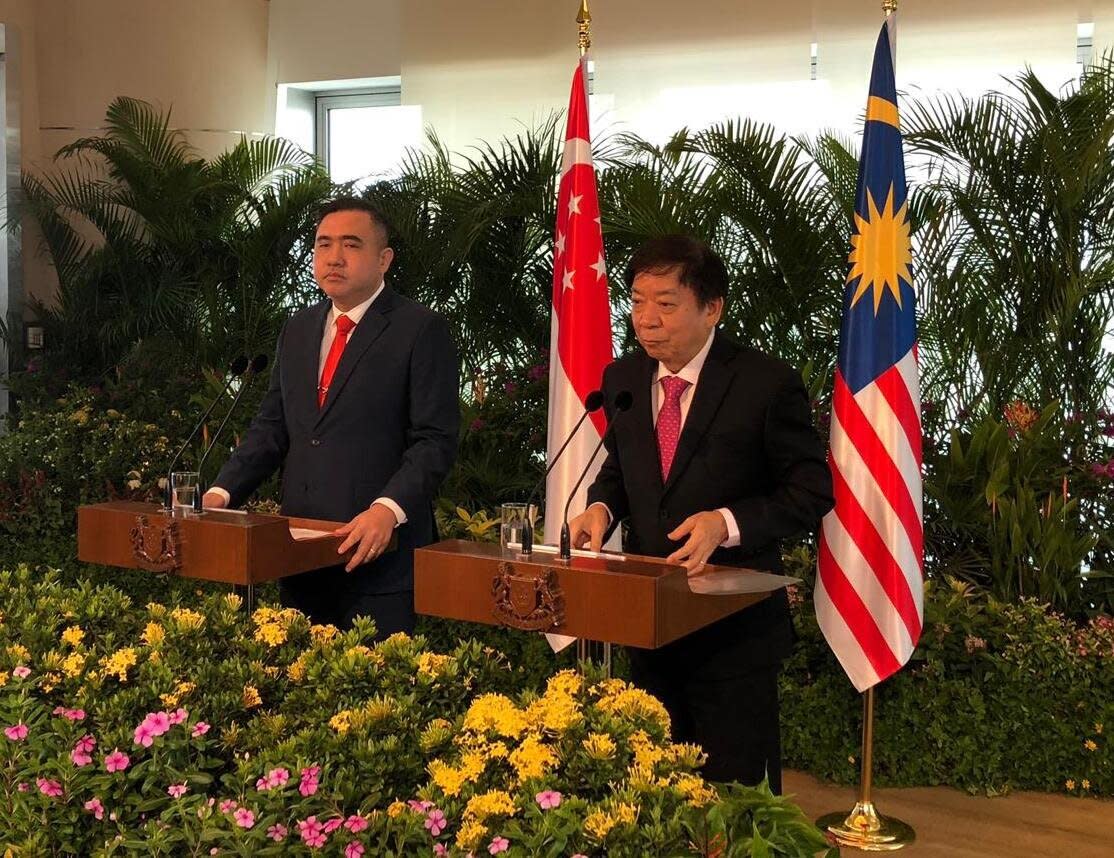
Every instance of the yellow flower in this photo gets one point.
(233, 601)
(646, 754)
(118, 663)
(696, 791)
(495, 712)
(598, 824)
(398, 638)
(395, 809)
(50, 682)
(188, 619)
(73, 664)
(251, 697)
(532, 759)
(1090, 745)
(1086, 784)
(19, 653)
(564, 682)
(296, 670)
(687, 756)
(153, 634)
(431, 664)
(342, 721)
(271, 634)
(72, 636)
(599, 746)
(472, 765)
(1069, 784)
(446, 778)
(173, 698)
(360, 651)
(435, 734)
(554, 712)
(323, 634)
(470, 836)
(636, 704)
(3, 678)
(1098, 728)
(155, 609)
(495, 802)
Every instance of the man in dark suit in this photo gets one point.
(717, 453)
(363, 417)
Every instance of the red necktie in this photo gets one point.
(344, 325)
(669, 421)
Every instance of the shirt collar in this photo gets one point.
(357, 312)
(690, 372)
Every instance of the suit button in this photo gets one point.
(315, 443)
(663, 514)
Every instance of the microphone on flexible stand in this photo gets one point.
(623, 402)
(592, 402)
(234, 371)
(258, 364)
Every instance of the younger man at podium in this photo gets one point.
(716, 461)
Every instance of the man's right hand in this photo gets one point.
(213, 500)
(589, 527)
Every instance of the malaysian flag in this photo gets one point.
(581, 322)
(869, 593)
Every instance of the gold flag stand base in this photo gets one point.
(866, 830)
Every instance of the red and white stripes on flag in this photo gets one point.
(580, 339)
(869, 582)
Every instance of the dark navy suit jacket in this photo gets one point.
(389, 427)
(747, 444)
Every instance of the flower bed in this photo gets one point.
(201, 730)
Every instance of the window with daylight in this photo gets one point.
(363, 136)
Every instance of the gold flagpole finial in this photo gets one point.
(889, 7)
(584, 27)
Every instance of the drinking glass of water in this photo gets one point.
(513, 520)
(183, 490)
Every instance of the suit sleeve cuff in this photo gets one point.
(400, 516)
(606, 508)
(217, 490)
(732, 539)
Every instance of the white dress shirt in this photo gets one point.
(330, 334)
(690, 372)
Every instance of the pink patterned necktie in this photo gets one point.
(669, 421)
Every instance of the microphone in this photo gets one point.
(623, 401)
(234, 371)
(592, 402)
(258, 364)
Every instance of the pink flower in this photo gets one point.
(59, 710)
(499, 844)
(50, 788)
(333, 824)
(86, 744)
(178, 716)
(244, 818)
(440, 849)
(435, 822)
(273, 779)
(177, 790)
(16, 733)
(353, 850)
(312, 832)
(356, 823)
(548, 799)
(23, 786)
(80, 758)
(95, 807)
(144, 736)
(309, 783)
(228, 805)
(116, 761)
(277, 832)
(74, 714)
(199, 729)
(419, 806)
(21, 672)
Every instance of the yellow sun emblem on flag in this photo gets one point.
(881, 251)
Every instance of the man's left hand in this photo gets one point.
(370, 532)
(705, 532)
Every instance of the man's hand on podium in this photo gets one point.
(370, 532)
(589, 527)
(706, 531)
(213, 500)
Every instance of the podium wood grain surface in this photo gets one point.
(637, 601)
(236, 548)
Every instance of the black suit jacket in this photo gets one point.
(747, 444)
(389, 427)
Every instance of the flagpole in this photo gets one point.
(864, 828)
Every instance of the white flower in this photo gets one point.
(134, 484)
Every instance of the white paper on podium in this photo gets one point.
(734, 582)
(302, 533)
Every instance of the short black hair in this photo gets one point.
(356, 204)
(697, 265)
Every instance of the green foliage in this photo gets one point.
(997, 697)
(169, 730)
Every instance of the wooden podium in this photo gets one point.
(217, 545)
(625, 599)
